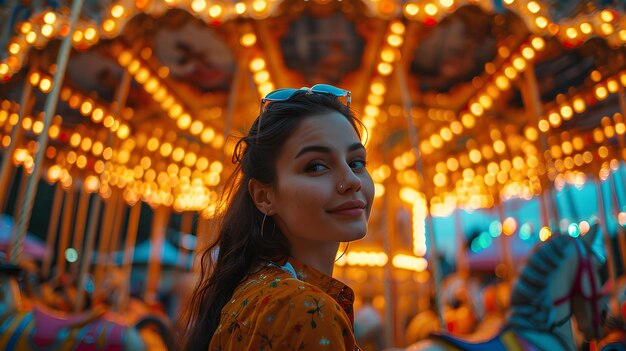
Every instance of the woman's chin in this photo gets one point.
(354, 235)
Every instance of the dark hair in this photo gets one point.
(240, 242)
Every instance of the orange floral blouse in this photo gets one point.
(287, 307)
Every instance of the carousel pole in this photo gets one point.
(129, 252)
(185, 227)
(571, 202)
(12, 178)
(90, 241)
(388, 276)
(66, 227)
(186, 222)
(462, 264)
(602, 216)
(505, 242)
(105, 237)
(114, 237)
(389, 287)
(622, 106)
(531, 99)
(42, 140)
(545, 214)
(157, 238)
(21, 194)
(95, 213)
(120, 100)
(616, 207)
(53, 229)
(205, 237)
(79, 227)
(414, 139)
(203, 224)
(27, 101)
(505, 246)
(555, 209)
(620, 138)
(115, 232)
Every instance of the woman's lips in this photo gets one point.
(350, 212)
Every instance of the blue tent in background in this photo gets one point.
(489, 257)
(170, 255)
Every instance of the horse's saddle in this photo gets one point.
(49, 317)
(494, 344)
(52, 327)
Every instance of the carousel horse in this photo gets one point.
(560, 280)
(463, 311)
(615, 323)
(42, 328)
(495, 299)
(462, 307)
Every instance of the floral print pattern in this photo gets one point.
(295, 308)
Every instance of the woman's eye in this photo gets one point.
(358, 165)
(315, 167)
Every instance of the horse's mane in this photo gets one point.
(531, 306)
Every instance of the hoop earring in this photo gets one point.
(343, 253)
(263, 227)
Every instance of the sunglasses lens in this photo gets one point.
(328, 89)
(280, 94)
(286, 93)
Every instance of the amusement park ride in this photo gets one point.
(116, 128)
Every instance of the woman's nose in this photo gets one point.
(350, 182)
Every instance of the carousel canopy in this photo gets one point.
(468, 104)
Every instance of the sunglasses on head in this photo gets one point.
(286, 93)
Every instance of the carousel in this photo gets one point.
(495, 130)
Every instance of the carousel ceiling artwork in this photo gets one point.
(472, 105)
(154, 88)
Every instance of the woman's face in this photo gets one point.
(323, 191)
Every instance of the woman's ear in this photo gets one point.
(262, 196)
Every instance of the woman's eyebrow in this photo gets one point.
(356, 146)
(313, 148)
(326, 149)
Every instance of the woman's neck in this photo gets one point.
(316, 254)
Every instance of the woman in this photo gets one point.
(300, 189)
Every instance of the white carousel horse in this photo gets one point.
(560, 280)
(41, 328)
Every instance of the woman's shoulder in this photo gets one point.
(300, 293)
(272, 291)
(279, 284)
(291, 313)
(297, 288)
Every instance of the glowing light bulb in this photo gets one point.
(573, 230)
(621, 219)
(545, 233)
